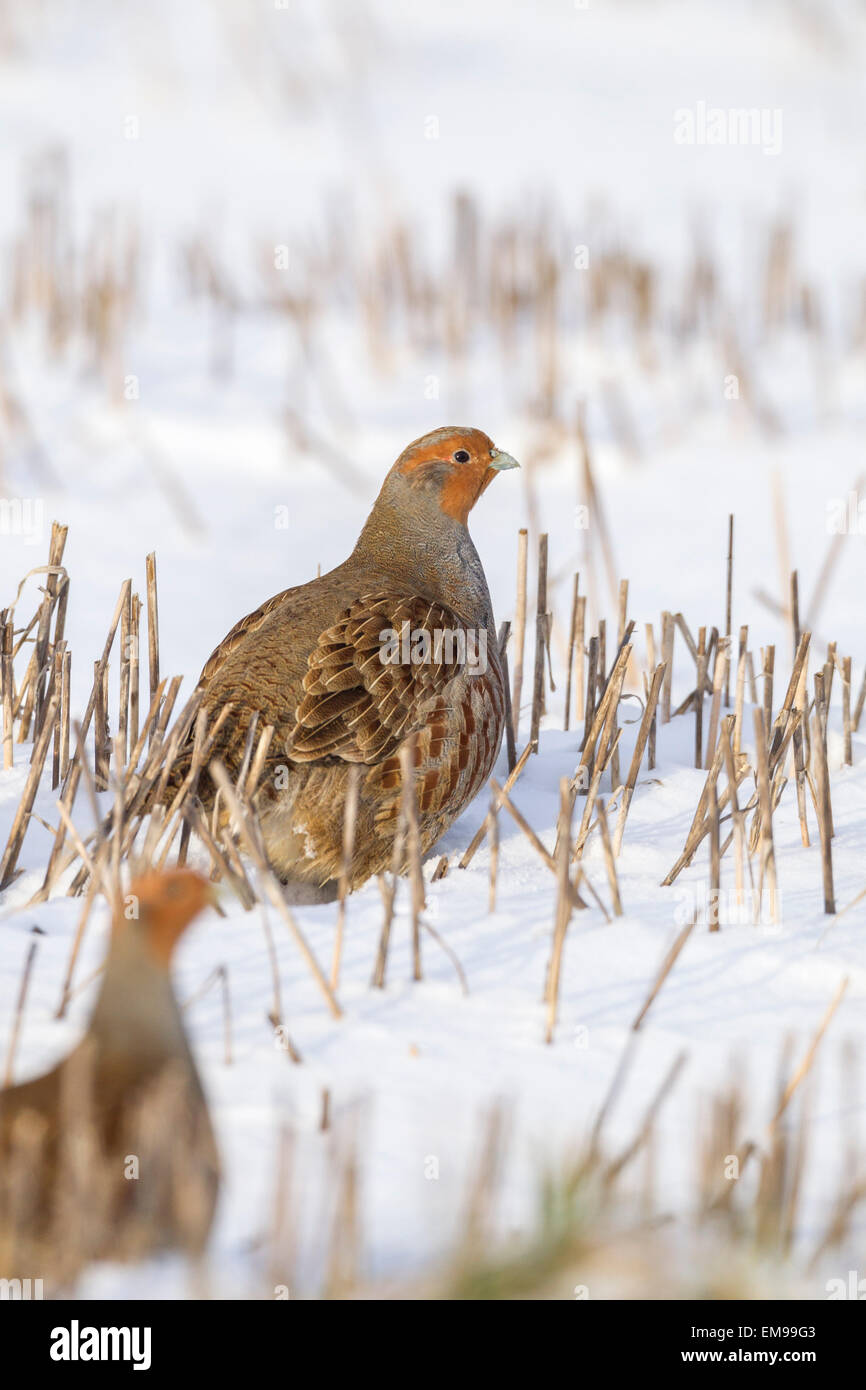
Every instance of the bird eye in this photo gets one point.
(462, 456)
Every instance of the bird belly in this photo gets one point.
(455, 751)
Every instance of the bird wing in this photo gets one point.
(371, 675)
(240, 632)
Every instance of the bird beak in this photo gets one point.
(500, 460)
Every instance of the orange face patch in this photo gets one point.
(462, 490)
(165, 904)
(462, 480)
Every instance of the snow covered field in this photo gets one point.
(243, 438)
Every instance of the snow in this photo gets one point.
(253, 129)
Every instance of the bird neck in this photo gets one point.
(136, 1014)
(409, 537)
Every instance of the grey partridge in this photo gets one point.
(397, 641)
(111, 1154)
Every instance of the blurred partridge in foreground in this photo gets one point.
(111, 1154)
(397, 640)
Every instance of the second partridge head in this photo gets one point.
(164, 906)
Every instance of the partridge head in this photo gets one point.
(451, 468)
(312, 663)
